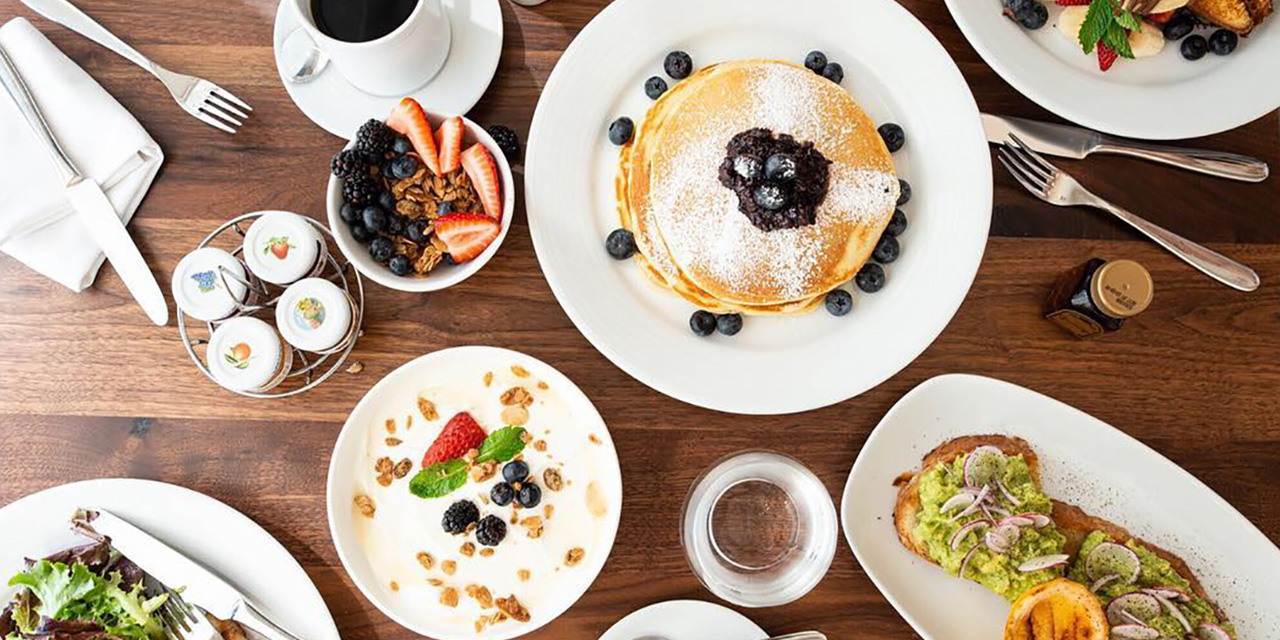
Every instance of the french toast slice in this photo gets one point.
(1228, 14)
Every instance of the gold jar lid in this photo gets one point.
(1121, 288)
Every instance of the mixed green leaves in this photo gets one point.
(62, 592)
(1109, 24)
(443, 478)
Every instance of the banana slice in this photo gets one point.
(1146, 42)
(1070, 20)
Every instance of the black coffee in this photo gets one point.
(360, 20)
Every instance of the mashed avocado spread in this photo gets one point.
(995, 571)
(1154, 571)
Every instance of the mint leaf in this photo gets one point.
(502, 445)
(1118, 39)
(1101, 15)
(440, 479)
(1129, 21)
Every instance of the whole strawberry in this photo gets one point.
(461, 434)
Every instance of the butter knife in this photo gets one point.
(86, 196)
(1074, 142)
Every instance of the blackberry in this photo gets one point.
(529, 495)
(502, 494)
(360, 190)
(348, 163)
(375, 138)
(507, 140)
(459, 516)
(678, 65)
(491, 531)
(729, 324)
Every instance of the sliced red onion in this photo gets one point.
(1040, 563)
(976, 504)
(968, 556)
(1017, 521)
(1124, 617)
(958, 501)
(1102, 582)
(999, 511)
(1173, 611)
(982, 465)
(1135, 607)
(1108, 558)
(959, 535)
(1038, 520)
(1134, 632)
(996, 542)
(1008, 495)
(1211, 631)
(1172, 593)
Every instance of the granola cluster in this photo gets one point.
(423, 196)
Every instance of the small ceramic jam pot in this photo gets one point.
(283, 248)
(201, 289)
(316, 315)
(247, 354)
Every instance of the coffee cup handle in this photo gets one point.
(304, 59)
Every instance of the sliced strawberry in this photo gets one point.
(409, 119)
(483, 172)
(449, 137)
(465, 235)
(1106, 56)
(461, 434)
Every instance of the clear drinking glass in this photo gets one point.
(759, 529)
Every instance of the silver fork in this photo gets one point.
(178, 618)
(205, 100)
(1058, 188)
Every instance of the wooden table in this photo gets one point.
(88, 388)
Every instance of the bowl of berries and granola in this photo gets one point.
(420, 202)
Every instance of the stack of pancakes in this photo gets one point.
(691, 236)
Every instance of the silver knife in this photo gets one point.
(198, 586)
(95, 210)
(1075, 142)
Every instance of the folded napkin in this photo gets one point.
(37, 224)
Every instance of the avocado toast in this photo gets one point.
(1146, 589)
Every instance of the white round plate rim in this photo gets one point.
(299, 607)
(558, 131)
(338, 509)
(1191, 108)
(468, 70)
(685, 620)
(1001, 402)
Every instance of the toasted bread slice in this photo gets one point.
(1228, 14)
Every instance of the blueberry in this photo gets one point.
(399, 265)
(897, 224)
(904, 192)
(1179, 26)
(396, 224)
(780, 166)
(444, 208)
(404, 167)
(887, 249)
(747, 167)
(833, 72)
(360, 233)
(816, 61)
(729, 324)
(448, 259)
(654, 87)
(770, 196)
(1223, 42)
(380, 249)
(870, 278)
(374, 218)
(416, 232)
(387, 201)
(621, 244)
(702, 322)
(678, 65)
(1194, 47)
(620, 131)
(838, 302)
(893, 135)
(1033, 17)
(515, 471)
(401, 145)
(348, 213)
(529, 496)
(502, 494)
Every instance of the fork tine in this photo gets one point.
(175, 613)
(211, 121)
(225, 105)
(229, 97)
(1029, 170)
(1031, 153)
(1017, 175)
(217, 112)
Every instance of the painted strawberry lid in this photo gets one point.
(314, 315)
(201, 288)
(245, 354)
(282, 247)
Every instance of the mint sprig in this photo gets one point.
(1107, 23)
(443, 478)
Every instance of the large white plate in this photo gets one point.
(1162, 97)
(685, 620)
(899, 73)
(1083, 461)
(204, 529)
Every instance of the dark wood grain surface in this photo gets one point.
(89, 389)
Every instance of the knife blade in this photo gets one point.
(86, 196)
(1078, 143)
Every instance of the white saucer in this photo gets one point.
(685, 620)
(340, 108)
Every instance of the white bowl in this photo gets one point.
(444, 276)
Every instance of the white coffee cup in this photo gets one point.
(394, 64)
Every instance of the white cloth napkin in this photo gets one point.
(37, 224)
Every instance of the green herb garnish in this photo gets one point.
(443, 478)
(1107, 23)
